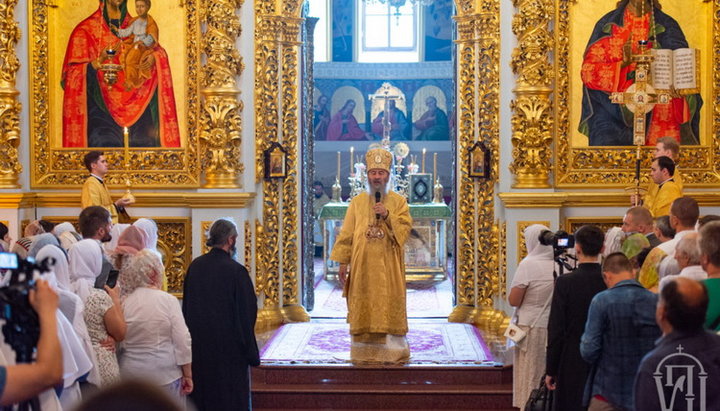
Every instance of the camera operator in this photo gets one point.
(24, 381)
(566, 370)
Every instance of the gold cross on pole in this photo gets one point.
(640, 98)
(384, 94)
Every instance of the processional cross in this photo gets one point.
(640, 98)
(385, 95)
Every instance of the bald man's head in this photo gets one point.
(683, 303)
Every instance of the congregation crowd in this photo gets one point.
(104, 303)
(643, 297)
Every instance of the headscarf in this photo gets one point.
(68, 239)
(40, 241)
(22, 247)
(613, 241)
(72, 308)
(537, 251)
(634, 244)
(85, 265)
(115, 232)
(150, 228)
(143, 270)
(63, 227)
(33, 228)
(61, 269)
(132, 240)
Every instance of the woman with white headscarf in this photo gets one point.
(157, 346)
(530, 294)
(78, 355)
(103, 313)
(150, 228)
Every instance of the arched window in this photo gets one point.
(387, 33)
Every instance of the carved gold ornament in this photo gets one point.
(478, 107)
(532, 121)
(10, 167)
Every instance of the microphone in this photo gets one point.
(377, 200)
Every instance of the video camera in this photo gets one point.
(22, 328)
(559, 240)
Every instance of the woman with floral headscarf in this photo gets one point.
(131, 241)
(103, 313)
(157, 346)
(530, 294)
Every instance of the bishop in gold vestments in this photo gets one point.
(372, 242)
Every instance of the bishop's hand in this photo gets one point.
(343, 273)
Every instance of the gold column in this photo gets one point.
(10, 107)
(292, 311)
(532, 119)
(220, 120)
(478, 107)
(277, 29)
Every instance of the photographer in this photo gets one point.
(23, 381)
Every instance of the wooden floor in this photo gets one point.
(338, 387)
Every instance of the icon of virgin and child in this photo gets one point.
(141, 100)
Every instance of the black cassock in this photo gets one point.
(220, 310)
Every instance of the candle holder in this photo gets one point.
(336, 192)
(438, 192)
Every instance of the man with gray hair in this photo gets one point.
(220, 310)
(687, 254)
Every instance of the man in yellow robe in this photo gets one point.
(660, 195)
(94, 191)
(371, 242)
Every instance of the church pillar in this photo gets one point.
(532, 120)
(10, 167)
(478, 235)
(277, 30)
(221, 122)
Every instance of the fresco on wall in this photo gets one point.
(343, 17)
(438, 30)
(343, 111)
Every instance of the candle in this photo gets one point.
(434, 166)
(423, 160)
(352, 159)
(338, 166)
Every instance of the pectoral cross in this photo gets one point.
(385, 95)
(640, 98)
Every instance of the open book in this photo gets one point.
(677, 69)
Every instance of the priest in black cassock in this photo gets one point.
(220, 310)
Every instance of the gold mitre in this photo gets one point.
(378, 158)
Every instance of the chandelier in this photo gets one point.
(399, 3)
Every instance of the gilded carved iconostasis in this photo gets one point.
(235, 74)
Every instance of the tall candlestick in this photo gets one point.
(352, 159)
(338, 166)
(434, 166)
(423, 160)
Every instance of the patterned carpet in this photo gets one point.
(328, 342)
